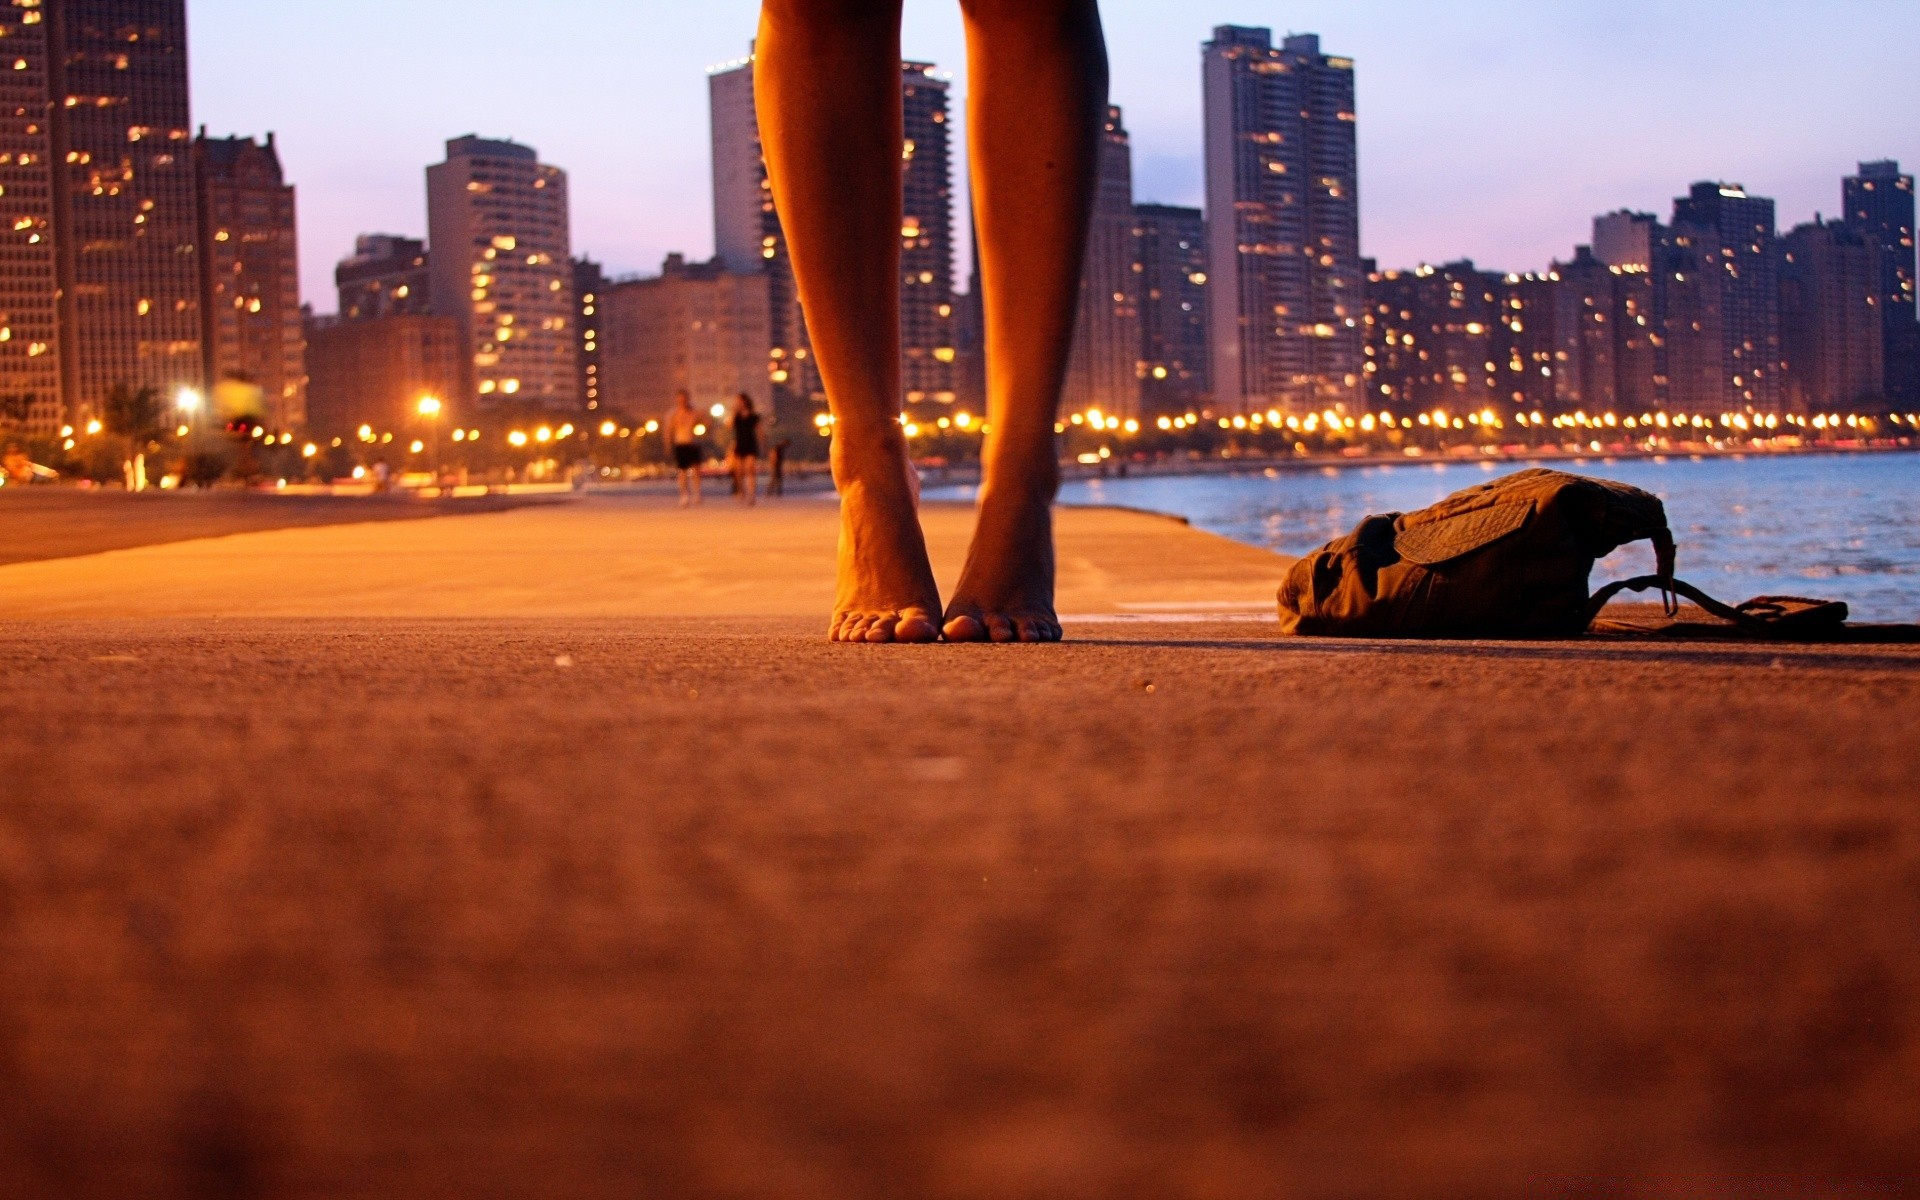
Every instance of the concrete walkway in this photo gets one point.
(444, 859)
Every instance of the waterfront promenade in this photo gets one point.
(552, 852)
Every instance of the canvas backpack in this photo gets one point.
(1512, 558)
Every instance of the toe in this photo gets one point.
(1031, 629)
(882, 628)
(966, 629)
(1000, 628)
(916, 628)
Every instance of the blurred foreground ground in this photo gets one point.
(457, 858)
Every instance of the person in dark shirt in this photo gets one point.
(746, 450)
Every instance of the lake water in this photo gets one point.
(1840, 526)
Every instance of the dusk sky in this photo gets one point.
(1493, 129)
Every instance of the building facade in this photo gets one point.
(1431, 340)
(1173, 289)
(502, 269)
(1103, 369)
(1723, 303)
(1879, 207)
(1283, 208)
(1832, 298)
(387, 276)
(375, 372)
(748, 237)
(590, 284)
(697, 327)
(31, 399)
(929, 326)
(252, 328)
(126, 225)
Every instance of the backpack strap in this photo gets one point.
(1769, 617)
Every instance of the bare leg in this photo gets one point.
(750, 481)
(1039, 82)
(827, 83)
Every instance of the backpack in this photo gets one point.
(1513, 558)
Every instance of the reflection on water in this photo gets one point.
(1844, 527)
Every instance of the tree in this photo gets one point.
(133, 414)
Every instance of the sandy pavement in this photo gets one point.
(326, 881)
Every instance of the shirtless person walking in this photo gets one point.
(827, 80)
(683, 434)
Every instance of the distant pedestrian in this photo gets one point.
(683, 434)
(746, 450)
(777, 467)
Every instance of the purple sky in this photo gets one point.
(1493, 129)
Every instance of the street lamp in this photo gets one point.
(430, 407)
(189, 401)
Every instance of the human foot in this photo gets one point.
(1006, 591)
(886, 589)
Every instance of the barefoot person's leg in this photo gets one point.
(827, 79)
(1039, 97)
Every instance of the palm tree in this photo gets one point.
(133, 414)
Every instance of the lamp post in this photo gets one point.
(430, 408)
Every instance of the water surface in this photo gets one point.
(1839, 526)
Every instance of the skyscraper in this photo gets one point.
(1173, 290)
(1879, 209)
(590, 283)
(250, 288)
(125, 219)
(1431, 336)
(502, 267)
(929, 330)
(1103, 370)
(748, 237)
(387, 276)
(1723, 303)
(1832, 293)
(30, 391)
(1283, 211)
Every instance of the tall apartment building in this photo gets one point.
(1879, 207)
(1431, 339)
(1723, 303)
(387, 276)
(252, 327)
(1627, 239)
(31, 401)
(696, 326)
(1586, 321)
(124, 212)
(929, 326)
(1173, 291)
(590, 283)
(748, 237)
(1524, 339)
(502, 268)
(1832, 300)
(1103, 370)
(1283, 207)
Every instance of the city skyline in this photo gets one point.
(1448, 168)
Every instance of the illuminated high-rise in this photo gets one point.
(1103, 371)
(30, 385)
(1723, 303)
(250, 289)
(1832, 331)
(386, 276)
(502, 268)
(1174, 287)
(1283, 221)
(748, 237)
(126, 223)
(1880, 209)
